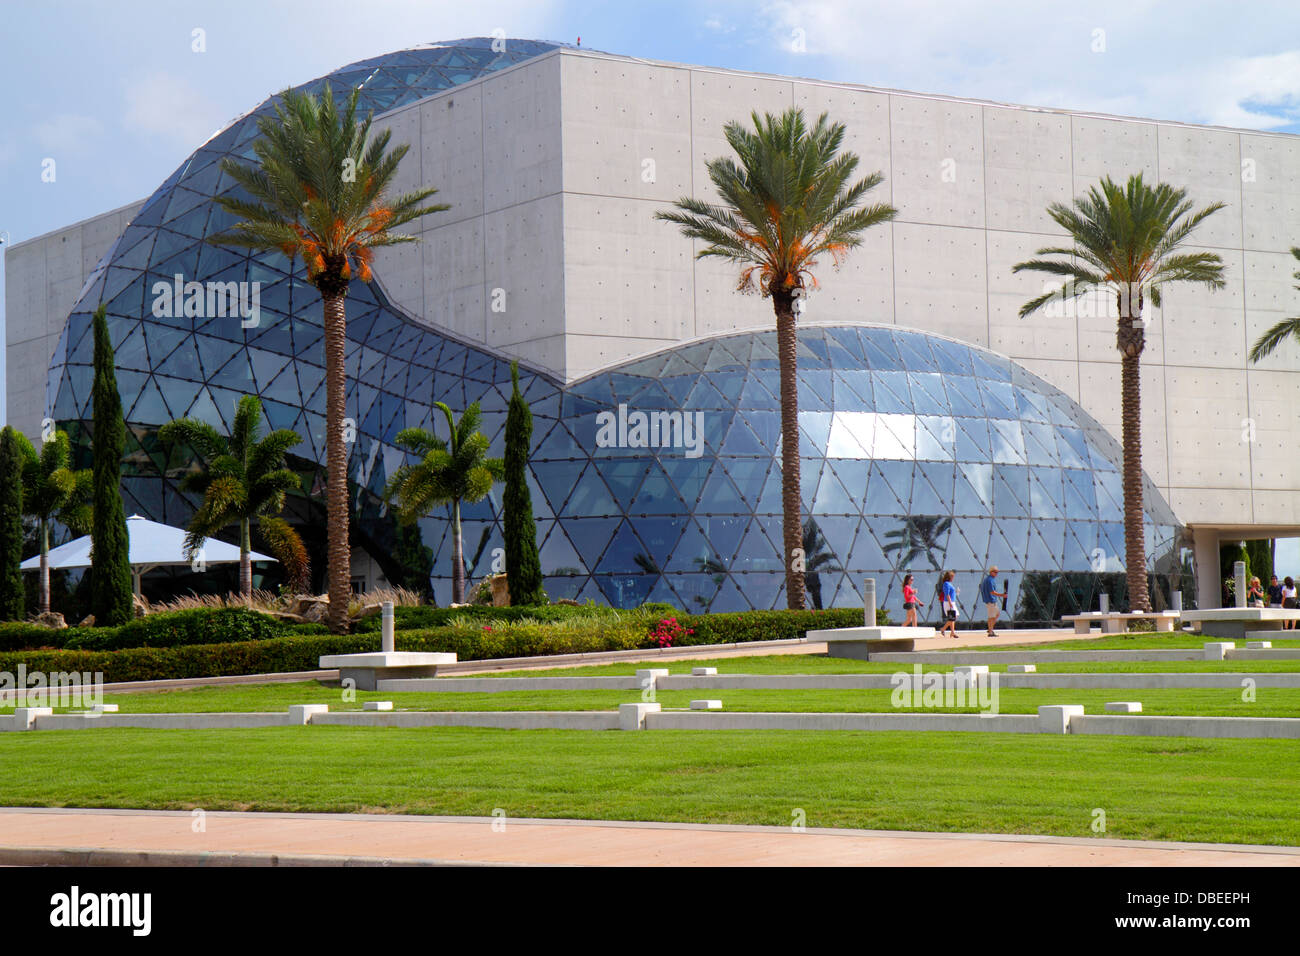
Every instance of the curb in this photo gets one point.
(98, 856)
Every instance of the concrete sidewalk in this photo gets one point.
(159, 838)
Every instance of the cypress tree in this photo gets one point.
(12, 459)
(110, 568)
(523, 567)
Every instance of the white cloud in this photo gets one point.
(66, 131)
(1198, 62)
(169, 107)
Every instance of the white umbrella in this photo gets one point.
(152, 545)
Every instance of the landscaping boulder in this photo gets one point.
(567, 602)
(51, 619)
(370, 610)
(87, 621)
(315, 611)
(500, 590)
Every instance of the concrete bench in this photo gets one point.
(858, 642)
(1236, 623)
(1114, 622)
(366, 670)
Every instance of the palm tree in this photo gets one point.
(244, 479)
(1286, 329)
(53, 491)
(320, 191)
(447, 473)
(1125, 243)
(788, 201)
(919, 536)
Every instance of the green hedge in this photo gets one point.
(229, 625)
(419, 618)
(166, 629)
(302, 651)
(18, 636)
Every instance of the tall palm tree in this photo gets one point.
(1126, 241)
(53, 491)
(448, 472)
(320, 191)
(789, 200)
(1286, 329)
(243, 480)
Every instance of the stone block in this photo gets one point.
(1217, 650)
(377, 705)
(1055, 718)
(1124, 707)
(25, 717)
(303, 713)
(1022, 668)
(632, 716)
(706, 705)
(703, 671)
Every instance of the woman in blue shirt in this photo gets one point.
(948, 601)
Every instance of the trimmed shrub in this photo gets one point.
(744, 626)
(19, 636)
(228, 625)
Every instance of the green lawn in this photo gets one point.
(1240, 791)
(1269, 702)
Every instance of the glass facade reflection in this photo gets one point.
(920, 454)
(655, 480)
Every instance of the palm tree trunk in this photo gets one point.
(457, 556)
(45, 566)
(791, 502)
(1131, 340)
(245, 562)
(338, 549)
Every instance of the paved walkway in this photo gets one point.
(133, 837)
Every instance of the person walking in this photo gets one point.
(948, 602)
(990, 596)
(910, 603)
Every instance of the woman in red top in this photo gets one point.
(909, 602)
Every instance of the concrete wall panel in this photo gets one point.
(522, 134)
(938, 161)
(1270, 204)
(1027, 161)
(627, 129)
(939, 280)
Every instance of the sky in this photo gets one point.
(117, 94)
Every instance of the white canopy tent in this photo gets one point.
(152, 545)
